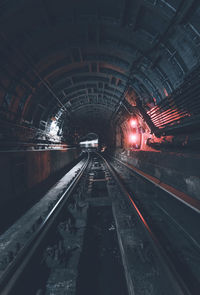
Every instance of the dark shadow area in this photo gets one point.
(100, 268)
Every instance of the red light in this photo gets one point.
(132, 138)
(133, 123)
(165, 92)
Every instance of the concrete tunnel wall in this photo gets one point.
(178, 170)
(22, 171)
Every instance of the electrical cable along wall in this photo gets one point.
(181, 108)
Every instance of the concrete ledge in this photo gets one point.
(178, 170)
(21, 171)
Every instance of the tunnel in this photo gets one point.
(125, 75)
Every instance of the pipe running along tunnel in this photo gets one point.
(125, 73)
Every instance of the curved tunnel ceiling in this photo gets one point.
(77, 59)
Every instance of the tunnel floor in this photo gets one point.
(104, 230)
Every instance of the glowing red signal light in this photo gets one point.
(132, 138)
(133, 123)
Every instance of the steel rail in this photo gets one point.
(166, 264)
(17, 267)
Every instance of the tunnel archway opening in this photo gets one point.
(89, 142)
(61, 66)
(90, 136)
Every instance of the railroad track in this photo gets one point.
(14, 273)
(172, 218)
(98, 238)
